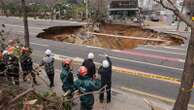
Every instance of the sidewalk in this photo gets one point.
(166, 28)
(128, 101)
(121, 100)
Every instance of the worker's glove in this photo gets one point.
(38, 73)
(94, 77)
(76, 92)
(67, 93)
(97, 77)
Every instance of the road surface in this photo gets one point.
(161, 60)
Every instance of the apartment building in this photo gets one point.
(122, 8)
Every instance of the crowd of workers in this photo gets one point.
(87, 79)
(10, 64)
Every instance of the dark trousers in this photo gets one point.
(25, 73)
(51, 79)
(2, 74)
(108, 91)
(15, 78)
(85, 107)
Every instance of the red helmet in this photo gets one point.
(1, 55)
(67, 61)
(83, 71)
(10, 50)
(23, 49)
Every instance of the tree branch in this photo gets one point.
(176, 12)
(44, 98)
(21, 95)
(172, 4)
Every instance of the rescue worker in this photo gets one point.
(27, 64)
(12, 66)
(5, 57)
(105, 71)
(67, 76)
(2, 65)
(89, 64)
(86, 84)
(48, 63)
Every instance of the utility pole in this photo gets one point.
(25, 20)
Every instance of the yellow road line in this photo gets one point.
(146, 75)
(129, 71)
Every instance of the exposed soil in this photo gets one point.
(77, 35)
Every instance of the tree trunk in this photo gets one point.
(25, 20)
(187, 78)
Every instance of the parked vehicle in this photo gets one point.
(155, 17)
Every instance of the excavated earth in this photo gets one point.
(77, 35)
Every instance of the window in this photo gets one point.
(124, 4)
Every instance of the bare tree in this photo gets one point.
(99, 8)
(187, 80)
(189, 4)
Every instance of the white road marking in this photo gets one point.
(161, 51)
(88, 46)
(150, 56)
(94, 47)
(140, 62)
(181, 60)
(77, 59)
(22, 26)
(43, 45)
(174, 48)
(46, 20)
(166, 47)
(23, 32)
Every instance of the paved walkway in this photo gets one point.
(166, 28)
(121, 100)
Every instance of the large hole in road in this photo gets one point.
(112, 36)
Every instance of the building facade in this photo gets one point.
(122, 8)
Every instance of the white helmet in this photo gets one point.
(105, 64)
(91, 56)
(5, 52)
(48, 52)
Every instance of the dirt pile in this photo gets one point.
(78, 35)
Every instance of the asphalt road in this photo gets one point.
(161, 60)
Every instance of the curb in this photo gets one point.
(163, 99)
